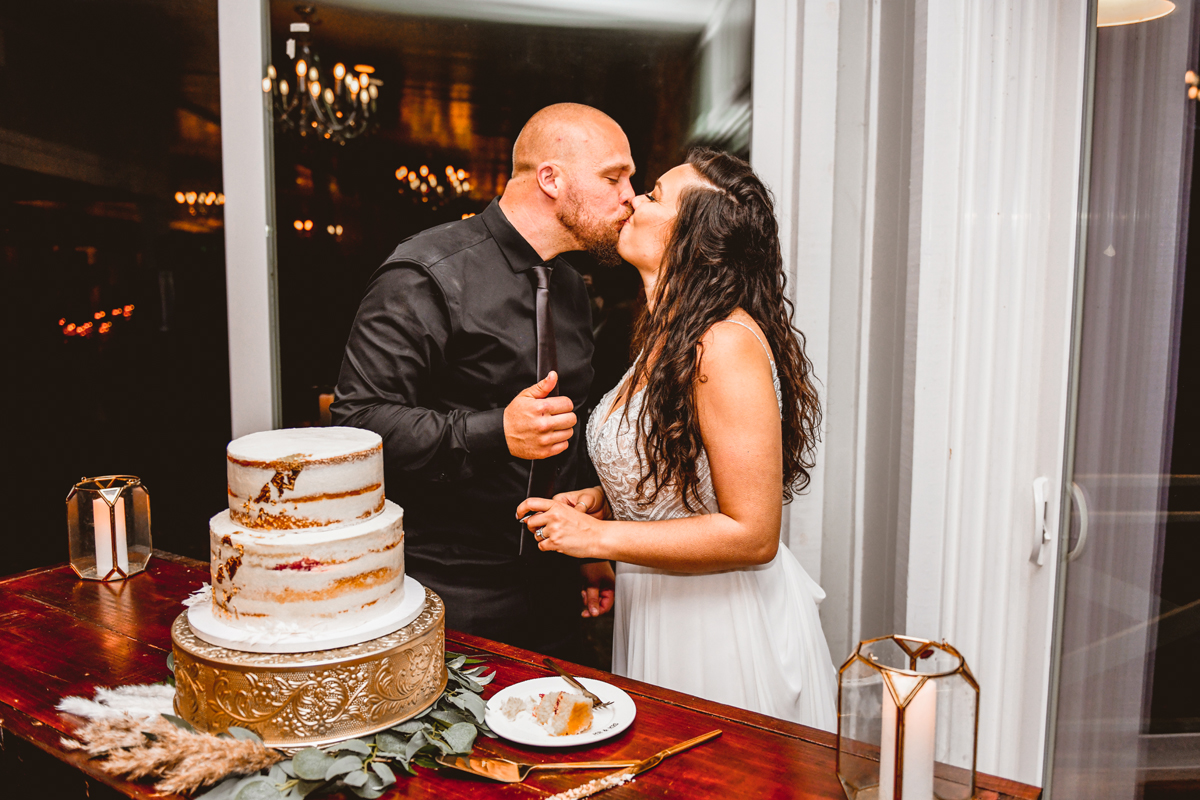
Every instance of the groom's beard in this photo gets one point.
(593, 235)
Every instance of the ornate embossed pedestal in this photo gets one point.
(295, 700)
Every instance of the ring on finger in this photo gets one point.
(539, 535)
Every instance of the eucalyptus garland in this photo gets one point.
(186, 759)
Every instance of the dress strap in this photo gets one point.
(755, 335)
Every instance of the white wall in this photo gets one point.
(926, 156)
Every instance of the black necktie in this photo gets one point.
(543, 472)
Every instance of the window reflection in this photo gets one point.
(455, 83)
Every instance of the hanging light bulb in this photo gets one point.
(352, 84)
(313, 74)
(266, 85)
(315, 88)
(271, 71)
(1129, 12)
(329, 96)
(339, 70)
(283, 88)
(301, 68)
(373, 91)
(364, 97)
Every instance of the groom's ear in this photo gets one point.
(550, 179)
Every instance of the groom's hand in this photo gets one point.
(537, 425)
(598, 592)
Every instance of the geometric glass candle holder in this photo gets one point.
(908, 721)
(108, 523)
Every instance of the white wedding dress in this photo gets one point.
(745, 637)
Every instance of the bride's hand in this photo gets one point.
(591, 501)
(561, 528)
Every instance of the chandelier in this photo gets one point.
(422, 184)
(338, 105)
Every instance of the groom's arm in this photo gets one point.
(386, 384)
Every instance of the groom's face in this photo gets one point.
(597, 196)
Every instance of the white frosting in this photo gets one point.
(302, 478)
(318, 579)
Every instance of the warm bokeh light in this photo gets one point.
(329, 96)
(179, 198)
(298, 225)
(313, 75)
(401, 173)
(364, 68)
(338, 230)
(352, 85)
(105, 327)
(424, 170)
(373, 91)
(462, 174)
(339, 70)
(191, 198)
(308, 224)
(301, 68)
(70, 328)
(364, 97)
(433, 180)
(266, 85)
(116, 312)
(220, 199)
(271, 71)
(283, 88)
(467, 216)
(99, 315)
(315, 88)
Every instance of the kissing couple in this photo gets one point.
(471, 356)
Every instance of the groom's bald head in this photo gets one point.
(564, 133)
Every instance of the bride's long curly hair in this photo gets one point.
(723, 254)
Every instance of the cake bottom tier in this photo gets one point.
(310, 699)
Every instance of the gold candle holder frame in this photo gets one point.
(108, 527)
(908, 721)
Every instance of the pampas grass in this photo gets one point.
(183, 761)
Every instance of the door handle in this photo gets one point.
(1080, 503)
(1040, 530)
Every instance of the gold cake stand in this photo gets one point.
(295, 700)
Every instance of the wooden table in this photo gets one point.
(62, 636)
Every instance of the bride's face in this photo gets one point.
(645, 234)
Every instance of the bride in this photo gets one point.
(707, 600)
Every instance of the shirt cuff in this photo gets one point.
(485, 431)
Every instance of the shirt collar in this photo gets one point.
(519, 253)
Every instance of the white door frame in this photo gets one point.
(247, 164)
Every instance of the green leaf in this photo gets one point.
(384, 772)
(412, 726)
(171, 662)
(460, 737)
(258, 789)
(342, 766)
(179, 722)
(277, 774)
(457, 663)
(452, 716)
(352, 745)
(439, 743)
(222, 791)
(367, 792)
(244, 734)
(470, 702)
(310, 764)
(305, 788)
(356, 778)
(418, 741)
(287, 767)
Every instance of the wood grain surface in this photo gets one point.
(63, 636)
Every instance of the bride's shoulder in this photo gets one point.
(735, 343)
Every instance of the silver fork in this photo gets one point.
(596, 701)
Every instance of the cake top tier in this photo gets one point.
(305, 478)
(303, 446)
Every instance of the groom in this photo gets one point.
(470, 355)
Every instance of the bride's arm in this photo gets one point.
(739, 422)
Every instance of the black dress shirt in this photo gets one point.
(443, 341)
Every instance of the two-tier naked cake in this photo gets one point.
(308, 584)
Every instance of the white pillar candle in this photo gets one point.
(105, 535)
(916, 753)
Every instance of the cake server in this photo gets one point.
(566, 676)
(624, 776)
(505, 771)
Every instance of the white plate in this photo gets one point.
(606, 722)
